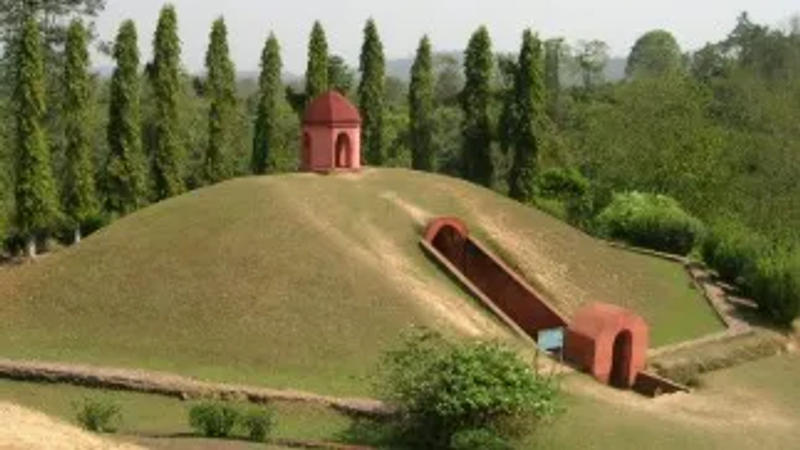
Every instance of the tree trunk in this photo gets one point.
(31, 247)
(77, 238)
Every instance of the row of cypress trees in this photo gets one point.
(41, 203)
(525, 112)
(526, 104)
(131, 177)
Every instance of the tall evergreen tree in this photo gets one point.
(78, 192)
(167, 154)
(530, 96)
(507, 121)
(266, 122)
(552, 76)
(35, 190)
(420, 100)
(317, 69)
(340, 76)
(370, 94)
(221, 90)
(53, 17)
(475, 98)
(125, 178)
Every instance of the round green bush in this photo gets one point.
(562, 183)
(213, 418)
(442, 388)
(99, 415)
(258, 421)
(775, 284)
(732, 249)
(651, 221)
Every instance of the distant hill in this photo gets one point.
(614, 70)
(401, 68)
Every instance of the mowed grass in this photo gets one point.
(751, 406)
(302, 280)
(163, 422)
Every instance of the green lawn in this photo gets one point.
(752, 406)
(149, 418)
(301, 281)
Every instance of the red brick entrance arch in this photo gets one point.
(609, 342)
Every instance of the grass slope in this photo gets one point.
(302, 280)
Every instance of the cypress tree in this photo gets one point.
(420, 100)
(476, 127)
(529, 88)
(317, 69)
(552, 78)
(78, 192)
(167, 154)
(270, 91)
(35, 190)
(507, 121)
(221, 89)
(370, 94)
(125, 179)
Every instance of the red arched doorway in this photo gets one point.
(450, 242)
(609, 342)
(621, 359)
(448, 235)
(306, 155)
(343, 151)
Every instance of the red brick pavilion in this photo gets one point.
(331, 135)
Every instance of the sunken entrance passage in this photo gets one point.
(495, 280)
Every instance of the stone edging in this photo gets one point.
(177, 386)
(714, 295)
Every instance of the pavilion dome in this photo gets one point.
(331, 108)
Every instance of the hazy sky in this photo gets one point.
(448, 22)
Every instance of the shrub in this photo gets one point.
(213, 418)
(99, 415)
(652, 221)
(775, 284)
(732, 249)
(258, 422)
(478, 440)
(767, 271)
(441, 389)
(562, 183)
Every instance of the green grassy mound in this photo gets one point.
(302, 280)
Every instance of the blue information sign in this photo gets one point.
(551, 339)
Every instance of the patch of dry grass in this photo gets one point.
(25, 429)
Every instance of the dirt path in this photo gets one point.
(24, 429)
(175, 385)
(717, 407)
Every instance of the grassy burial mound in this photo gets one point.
(302, 280)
